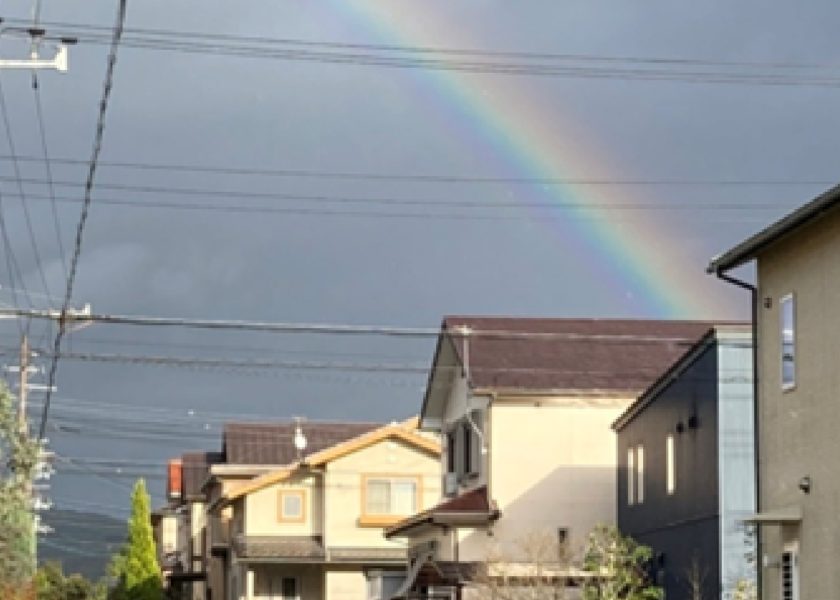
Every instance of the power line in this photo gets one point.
(775, 74)
(417, 49)
(42, 131)
(443, 178)
(74, 262)
(340, 329)
(16, 166)
(441, 50)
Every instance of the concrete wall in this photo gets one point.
(552, 465)
(344, 483)
(798, 432)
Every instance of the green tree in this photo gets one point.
(18, 457)
(135, 566)
(52, 584)
(619, 566)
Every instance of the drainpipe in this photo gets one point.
(756, 440)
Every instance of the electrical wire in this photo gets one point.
(590, 66)
(74, 262)
(442, 178)
(442, 50)
(42, 131)
(36, 255)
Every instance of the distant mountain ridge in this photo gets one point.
(83, 542)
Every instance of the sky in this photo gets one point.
(622, 244)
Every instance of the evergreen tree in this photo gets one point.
(18, 457)
(135, 567)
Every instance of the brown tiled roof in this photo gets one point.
(271, 443)
(276, 546)
(572, 354)
(195, 469)
(472, 504)
(473, 501)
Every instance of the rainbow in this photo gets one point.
(537, 140)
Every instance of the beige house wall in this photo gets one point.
(798, 428)
(570, 452)
(344, 481)
(262, 509)
(345, 584)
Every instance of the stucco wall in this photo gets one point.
(798, 429)
(552, 466)
(261, 510)
(343, 480)
(348, 584)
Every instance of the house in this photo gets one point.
(249, 451)
(796, 303)
(686, 467)
(187, 503)
(313, 529)
(524, 408)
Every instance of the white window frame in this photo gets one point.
(640, 474)
(631, 476)
(670, 465)
(391, 479)
(783, 301)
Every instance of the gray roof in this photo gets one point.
(275, 546)
(749, 248)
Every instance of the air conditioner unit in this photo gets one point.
(450, 484)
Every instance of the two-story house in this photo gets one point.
(250, 450)
(686, 468)
(313, 529)
(524, 408)
(796, 302)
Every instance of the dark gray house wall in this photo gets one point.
(682, 528)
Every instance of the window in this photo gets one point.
(670, 466)
(631, 476)
(384, 496)
(788, 341)
(640, 474)
(450, 452)
(292, 508)
(381, 585)
(468, 448)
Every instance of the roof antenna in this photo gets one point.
(299, 439)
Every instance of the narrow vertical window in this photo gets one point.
(450, 452)
(670, 466)
(640, 474)
(631, 476)
(468, 448)
(788, 341)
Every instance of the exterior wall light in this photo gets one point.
(805, 484)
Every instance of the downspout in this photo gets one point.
(756, 440)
